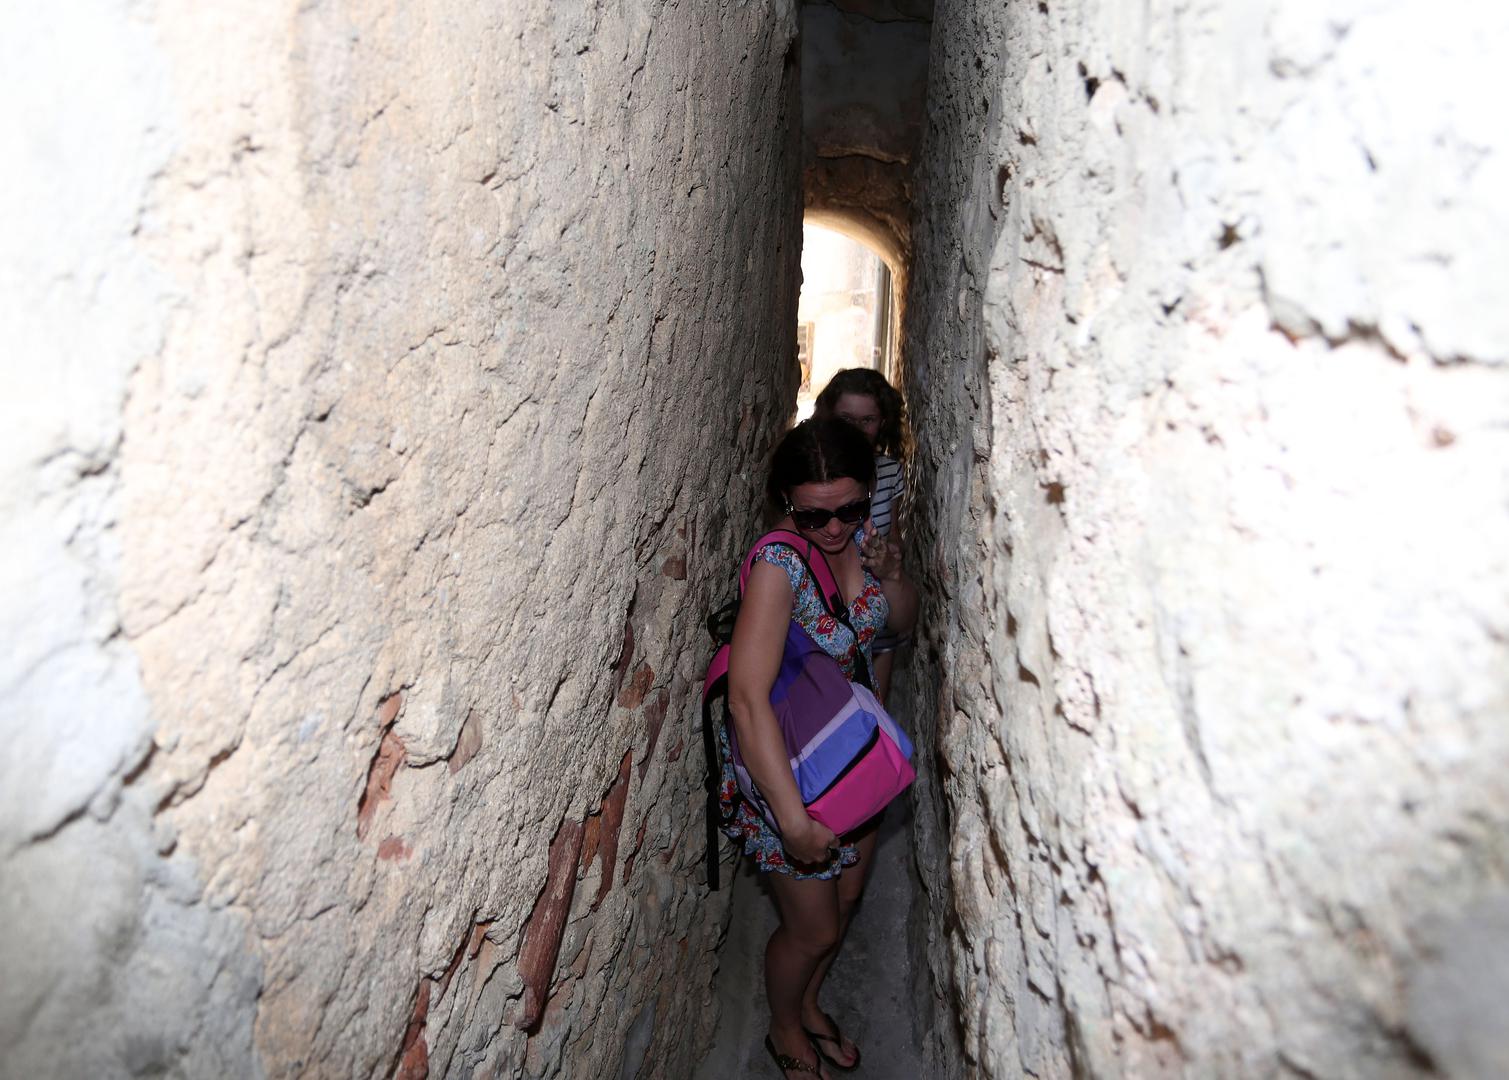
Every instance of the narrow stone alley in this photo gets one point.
(873, 987)
(389, 397)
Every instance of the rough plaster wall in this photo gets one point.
(371, 371)
(864, 83)
(1207, 350)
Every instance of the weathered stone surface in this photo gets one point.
(864, 85)
(880, 10)
(376, 359)
(1206, 351)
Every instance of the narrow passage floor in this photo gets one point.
(870, 991)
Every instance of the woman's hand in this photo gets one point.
(809, 841)
(881, 557)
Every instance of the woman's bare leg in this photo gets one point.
(851, 884)
(808, 935)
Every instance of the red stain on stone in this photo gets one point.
(633, 695)
(479, 938)
(591, 830)
(654, 717)
(387, 710)
(385, 764)
(613, 819)
(414, 1057)
(675, 754)
(547, 922)
(467, 743)
(468, 948)
(394, 848)
(674, 568)
(484, 965)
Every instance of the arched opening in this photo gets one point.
(844, 318)
(848, 247)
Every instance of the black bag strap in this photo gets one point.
(835, 607)
(713, 777)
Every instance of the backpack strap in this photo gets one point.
(827, 587)
(822, 573)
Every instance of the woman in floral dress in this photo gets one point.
(821, 476)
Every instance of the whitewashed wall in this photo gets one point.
(1207, 350)
(386, 384)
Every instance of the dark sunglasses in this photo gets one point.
(850, 514)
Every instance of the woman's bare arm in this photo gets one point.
(755, 659)
(882, 557)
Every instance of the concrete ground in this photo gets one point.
(869, 991)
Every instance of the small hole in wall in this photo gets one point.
(1003, 178)
(1055, 492)
(1092, 84)
(1228, 237)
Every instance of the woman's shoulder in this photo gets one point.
(780, 554)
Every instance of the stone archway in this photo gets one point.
(864, 92)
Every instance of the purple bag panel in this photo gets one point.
(848, 757)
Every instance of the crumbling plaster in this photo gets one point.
(1206, 351)
(391, 384)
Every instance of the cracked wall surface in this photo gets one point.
(373, 369)
(1206, 354)
(864, 85)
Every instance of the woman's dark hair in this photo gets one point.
(871, 384)
(816, 451)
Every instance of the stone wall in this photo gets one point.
(387, 386)
(864, 88)
(1206, 352)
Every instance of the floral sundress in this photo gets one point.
(867, 612)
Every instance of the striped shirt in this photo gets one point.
(888, 491)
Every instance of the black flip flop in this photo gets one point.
(837, 1039)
